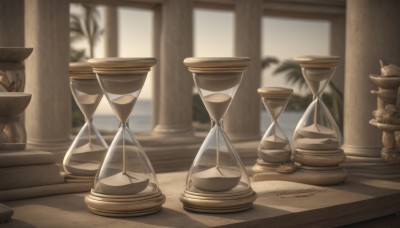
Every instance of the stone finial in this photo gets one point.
(389, 70)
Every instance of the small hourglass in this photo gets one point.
(87, 151)
(317, 138)
(217, 181)
(126, 179)
(274, 151)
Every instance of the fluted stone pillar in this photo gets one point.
(372, 33)
(157, 20)
(111, 31)
(48, 116)
(176, 83)
(337, 48)
(12, 23)
(242, 120)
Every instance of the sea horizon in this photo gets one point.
(141, 120)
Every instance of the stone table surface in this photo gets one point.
(279, 204)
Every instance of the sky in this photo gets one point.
(213, 36)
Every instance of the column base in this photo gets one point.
(321, 176)
(58, 148)
(362, 152)
(124, 206)
(218, 203)
(371, 167)
(172, 130)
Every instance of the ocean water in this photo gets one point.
(141, 120)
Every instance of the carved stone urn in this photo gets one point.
(12, 69)
(12, 99)
(387, 114)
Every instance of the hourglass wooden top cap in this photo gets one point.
(122, 65)
(274, 92)
(14, 54)
(81, 71)
(217, 64)
(317, 61)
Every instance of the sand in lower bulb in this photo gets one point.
(216, 179)
(121, 183)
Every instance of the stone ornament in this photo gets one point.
(13, 101)
(387, 114)
(217, 181)
(126, 184)
(12, 69)
(87, 151)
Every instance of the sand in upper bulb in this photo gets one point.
(217, 104)
(123, 106)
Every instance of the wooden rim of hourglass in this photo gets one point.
(225, 202)
(217, 64)
(81, 71)
(274, 92)
(117, 66)
(124, 205)
(317, 61)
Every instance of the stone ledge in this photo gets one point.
(280, 204)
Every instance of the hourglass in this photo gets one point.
(317, 138)
(274, 151)
(126, 184)
(217, 181)
(87, 151)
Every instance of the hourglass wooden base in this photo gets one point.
(124, 205)
(218, 202)
(315, 167)
(263, 166)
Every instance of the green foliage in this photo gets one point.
(83, 26)
(200, 113)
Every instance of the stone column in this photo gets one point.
(111, 31)
(372, 33)
(12, 23)
(157, 20)
(176, 83)
(338, 40)
(48, 117)
(243, 118)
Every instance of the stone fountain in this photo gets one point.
(387, 114)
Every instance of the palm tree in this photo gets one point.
(85, 26)
(294, 76)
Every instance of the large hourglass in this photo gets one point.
(126, 184)
(274, 151)
(87, 151)
(317, 138)
(217, 181)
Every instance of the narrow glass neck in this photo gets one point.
(220, 123)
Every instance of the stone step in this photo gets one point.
(30, 176)
(23, 158)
